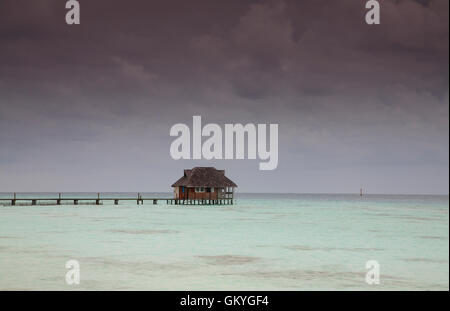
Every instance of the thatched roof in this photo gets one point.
(204, 177)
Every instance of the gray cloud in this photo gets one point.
(89, 107)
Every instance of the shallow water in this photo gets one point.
(263, 242)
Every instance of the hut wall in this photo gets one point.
(191, 194)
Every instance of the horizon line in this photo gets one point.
(285, 193)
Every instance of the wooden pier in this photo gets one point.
(98, 200)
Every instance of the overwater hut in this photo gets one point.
(204, 183)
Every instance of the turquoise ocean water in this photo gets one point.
(263, 242)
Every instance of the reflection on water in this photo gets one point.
(264, 242)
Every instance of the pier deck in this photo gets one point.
(99, 200)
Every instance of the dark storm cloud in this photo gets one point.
(356, 104)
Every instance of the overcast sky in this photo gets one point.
(89, 107)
